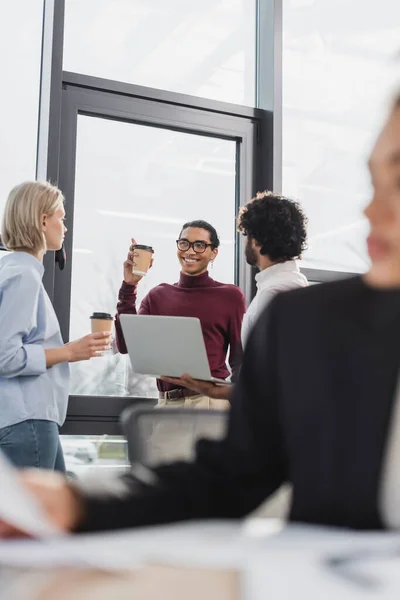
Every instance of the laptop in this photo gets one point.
(169, 346)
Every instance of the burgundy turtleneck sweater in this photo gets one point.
(219, 306)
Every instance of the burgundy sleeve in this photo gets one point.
(127, 306)
(235, 329)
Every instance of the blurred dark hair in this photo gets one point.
(276, 223)
(199, 224)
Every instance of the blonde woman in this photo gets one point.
(34, 370)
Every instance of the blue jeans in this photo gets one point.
(33, 443)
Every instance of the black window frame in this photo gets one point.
(88, 415)
(94, 97)
(99, 98)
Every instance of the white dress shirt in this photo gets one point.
(390, 492)
(270, 281)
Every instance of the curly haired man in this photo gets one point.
(276, 233)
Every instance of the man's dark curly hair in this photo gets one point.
(276, 223)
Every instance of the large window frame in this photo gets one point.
(99, 98)
(95, 97)
(269, 52)
(71, 94)
(258, 131)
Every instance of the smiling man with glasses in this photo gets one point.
(219, 306)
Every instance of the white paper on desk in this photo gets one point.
(18, 507)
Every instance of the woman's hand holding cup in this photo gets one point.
(90, 346)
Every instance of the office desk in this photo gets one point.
(254, 560)
(146, 583)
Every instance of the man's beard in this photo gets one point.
(251, 256)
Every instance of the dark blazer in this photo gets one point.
(312, 406)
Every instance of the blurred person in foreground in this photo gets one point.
(34, 370)
(275, 228)
(317, 404)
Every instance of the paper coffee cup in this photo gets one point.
(142, 256)
(101, 322)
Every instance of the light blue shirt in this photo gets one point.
(28, 326)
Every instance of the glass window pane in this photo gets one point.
(87, 455)
(20, 52)
(339, 69)
(203, 48)
(142, 182)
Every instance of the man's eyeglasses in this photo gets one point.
(199, 246)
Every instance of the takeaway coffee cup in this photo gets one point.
(101, 322)
(142, 256)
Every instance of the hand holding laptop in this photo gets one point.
(160, 345)
(206, 388)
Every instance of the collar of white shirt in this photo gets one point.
(268, 276)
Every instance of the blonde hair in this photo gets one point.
(23, 214)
